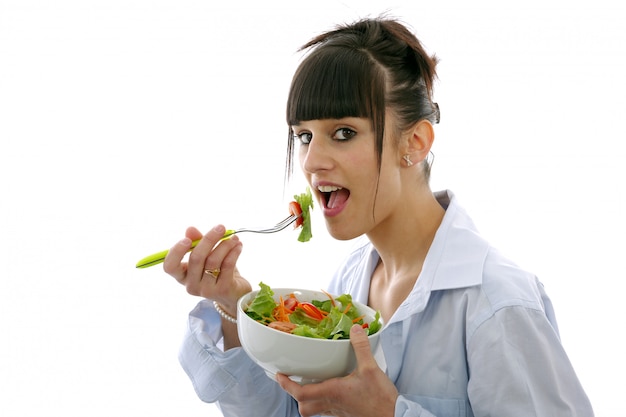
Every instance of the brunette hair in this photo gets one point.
(360, 70)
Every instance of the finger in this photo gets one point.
(313, 399)
(217, 281)
(291, 387)
(198, 256)
(214, 271)
(232, 250)
(172, 264)
(361, 345)
(220, 253)
(193, 233)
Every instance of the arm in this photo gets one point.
(228, 376)
(518, 367)
(211, 354)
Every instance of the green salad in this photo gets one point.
(331, 318)
(304, 204)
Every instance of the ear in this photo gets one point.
(418, 140)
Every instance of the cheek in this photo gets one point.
(301, 150)
(390, 182)
(301, 160)
(364, 162)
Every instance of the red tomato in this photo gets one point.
(295, 209)
(291, 303)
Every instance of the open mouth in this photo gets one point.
(333, 196)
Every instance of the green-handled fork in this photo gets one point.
(159, 257)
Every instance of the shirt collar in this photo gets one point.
(455, 258)
(457, 254)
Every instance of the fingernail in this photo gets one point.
(357, 329)
(185, 242)
(219, 229)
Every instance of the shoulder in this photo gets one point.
(505, 283)
(507, 290)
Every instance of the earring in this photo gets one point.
(407, 159)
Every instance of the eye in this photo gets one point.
(344, 133)
(303, 137)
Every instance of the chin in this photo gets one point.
(340, 233)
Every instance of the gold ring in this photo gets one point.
(213, 272)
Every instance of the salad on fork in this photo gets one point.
(299, 212)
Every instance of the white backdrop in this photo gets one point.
(122, 122)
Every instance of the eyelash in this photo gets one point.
(299, 136)
(346, 132)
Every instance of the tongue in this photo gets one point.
(337, 198)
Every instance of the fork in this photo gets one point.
(159, 257)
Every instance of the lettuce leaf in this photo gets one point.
(335, 325)
(374, 325)
(338, 324)
(346, 300)
(325, 305)
(305, 200)
(307, 331)
(263, 304)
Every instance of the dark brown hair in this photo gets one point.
(360, 70)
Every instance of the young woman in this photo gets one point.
(468, 333)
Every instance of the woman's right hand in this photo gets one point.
(210, 254)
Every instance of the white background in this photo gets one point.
(122, 122)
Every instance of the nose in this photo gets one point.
(316, 156)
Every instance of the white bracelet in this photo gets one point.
(224, 314)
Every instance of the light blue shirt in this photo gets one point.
(476, 336)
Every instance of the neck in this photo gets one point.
(403, 240)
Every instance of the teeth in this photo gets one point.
(328, 188)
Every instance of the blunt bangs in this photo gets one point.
(333, 83)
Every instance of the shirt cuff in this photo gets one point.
(406, 408)
(211, 370)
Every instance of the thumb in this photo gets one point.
(361, 345)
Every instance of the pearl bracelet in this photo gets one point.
(224, 314)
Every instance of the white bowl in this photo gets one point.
(304, 359)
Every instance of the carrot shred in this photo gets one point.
(347, 308)
(280, 311)
(332, 300)
(358, 319)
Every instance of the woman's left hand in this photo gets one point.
(367, 391)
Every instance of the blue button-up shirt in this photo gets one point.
(476, 336)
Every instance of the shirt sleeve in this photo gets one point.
(228, 377)
(518, 367)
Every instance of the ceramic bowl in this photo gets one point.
(304, 359)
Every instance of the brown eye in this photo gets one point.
(344, 134)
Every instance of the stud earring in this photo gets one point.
(407, 159)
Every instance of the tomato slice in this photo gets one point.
(291, 303)
(312, 311)
(296, 210)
